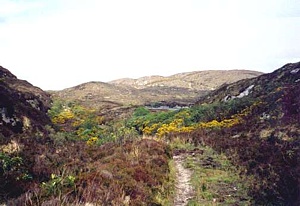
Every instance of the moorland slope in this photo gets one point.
(182, 89)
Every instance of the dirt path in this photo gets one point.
(184, 190)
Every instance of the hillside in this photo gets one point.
(183, 88)
(198, 80)
(23, 107)
(23, 115)
(237, 145)
(266, 142)
(53, 157)
(255, 123)
(263, 85)
(267, 139)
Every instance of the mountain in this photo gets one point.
(197, 80)
(265, 140)
(23, 106)
(183, 88)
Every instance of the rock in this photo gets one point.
(23, 107)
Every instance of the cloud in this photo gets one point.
(71, 42)
(2, 20)
(13, 9)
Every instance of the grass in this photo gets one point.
(215, 180)
(181, 144)
(166, 196)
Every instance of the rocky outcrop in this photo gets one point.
(23, 107)
(266, 84)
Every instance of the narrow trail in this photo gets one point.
(184, 190)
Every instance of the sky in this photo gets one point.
(55, 44)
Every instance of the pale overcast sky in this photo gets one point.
(56, 44)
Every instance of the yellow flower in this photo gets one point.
(92, 141)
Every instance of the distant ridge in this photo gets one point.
(182, 88)
(198, 80)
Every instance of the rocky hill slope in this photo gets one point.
(183, 88)
(23, 116)
(23, 107)
(197, 80)
(265, 84)
(266, 139)
(254, 122)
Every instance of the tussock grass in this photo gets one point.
(215, 180)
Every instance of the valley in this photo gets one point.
(232, 138)
(180, 89)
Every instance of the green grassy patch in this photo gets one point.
(166, 195)
(215, 180)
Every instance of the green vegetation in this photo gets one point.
(217, 115)
(82, 158)
(215, 180)
(57, 184)
(87, 125)
(259, 137)
(166, 194)
(242, 152)
(12, 166)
